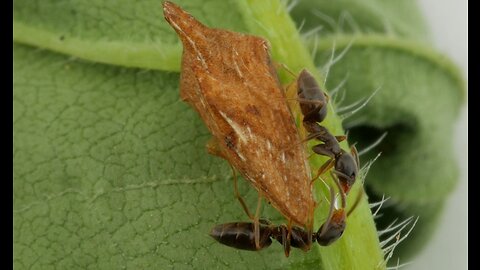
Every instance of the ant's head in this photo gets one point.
(335, 225)
(330, 231)
(346, 170)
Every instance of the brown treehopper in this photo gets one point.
(230, 81)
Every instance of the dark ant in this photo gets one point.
(241, 235)
(313, 101)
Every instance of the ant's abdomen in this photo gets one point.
(241, 235)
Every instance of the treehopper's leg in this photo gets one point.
(256, 223)
(238, 196)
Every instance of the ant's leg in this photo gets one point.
(327, 98)
(238, 196)
(354, 151)
(310, 226)
(325, 225)
(264, 221)
(283, 66)
(310, 136)
(358, 199)
(338, 173)
(334, 227)
(357, 202)
(321, 149)
(341, 138)
(213, 148)
(290, 95)
(256, 223)
(287, 238)
(308, 101)
(347, 179)
(325, 167)
(284, 239)
(343, 195)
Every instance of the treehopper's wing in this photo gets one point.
(229, 79)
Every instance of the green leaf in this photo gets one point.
(115, 32)
(392, 18)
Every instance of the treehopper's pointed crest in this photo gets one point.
(229, 79)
